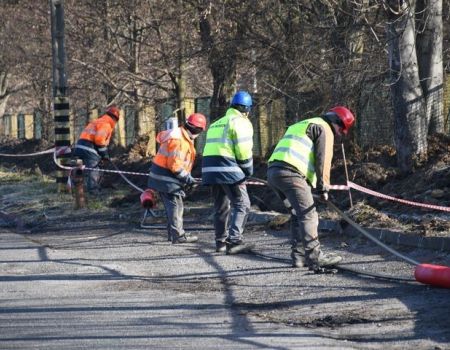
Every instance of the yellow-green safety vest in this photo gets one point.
(228, 152)
(297, 149)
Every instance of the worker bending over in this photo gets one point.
(92, 146)
(300, 162)
(170, 172)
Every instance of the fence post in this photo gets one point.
(78, 180)
(14, 130)
(29, 126)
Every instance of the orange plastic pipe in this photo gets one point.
(434, 275)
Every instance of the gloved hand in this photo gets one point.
(191, 180)
(322, 196)
(104, 161)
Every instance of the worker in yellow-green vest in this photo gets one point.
(301, 162)
(227, 162)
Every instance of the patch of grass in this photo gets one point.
(96, 204)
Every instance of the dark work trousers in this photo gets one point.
(231, 208)
(293, 186)
(90, 160)
(173, 203)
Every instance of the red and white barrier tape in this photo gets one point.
(128, 181)
(98, 169)
(52, 150)
(384, 196)
(373, 193)
(65, 150)
(339, 187)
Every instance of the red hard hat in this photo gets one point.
(198, 120)
(345, 115)
(113, 111)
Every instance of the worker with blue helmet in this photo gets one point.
(227, 162)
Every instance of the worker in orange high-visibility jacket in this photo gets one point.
(170, 172)
(92, 146)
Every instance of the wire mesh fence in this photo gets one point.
(375, 119)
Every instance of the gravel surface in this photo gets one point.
(89, 281)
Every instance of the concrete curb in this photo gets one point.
(386, 236)
(393, 237)
(258, 217)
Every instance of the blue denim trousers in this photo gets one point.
(231, 209)
(90, 160)
(173, 203)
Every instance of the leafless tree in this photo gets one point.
(311, 53)
(416, 76)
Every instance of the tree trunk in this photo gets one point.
(410, 123)
(47, 129)
(107, 89)
(222, 59)
(429, 53)
(181, 95)
(4, 95)
(224, 77)
(135, 69)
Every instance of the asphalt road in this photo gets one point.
(87, 282)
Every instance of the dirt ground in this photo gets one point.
(358, 311)
(373, 168)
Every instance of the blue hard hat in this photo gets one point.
(242, 98)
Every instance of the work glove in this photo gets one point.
(190, 183)
(191, 180)
(322, 196)
(104, 161)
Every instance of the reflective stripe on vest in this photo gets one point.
(86, 148)
(227, 169)
(165, 178)
(176, 153)
(297, 149)
(221, 139)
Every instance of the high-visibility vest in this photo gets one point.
(173, 163)
(297, 149)
(96, 135)
(228, 152)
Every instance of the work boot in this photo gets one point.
(324, 261)
(221, 247)
(237, 247)
(184, 239)
(298, 257)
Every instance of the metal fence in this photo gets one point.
(375, 124)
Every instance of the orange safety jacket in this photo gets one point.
(172, 165)
(96, 136)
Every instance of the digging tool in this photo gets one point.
(346, 175)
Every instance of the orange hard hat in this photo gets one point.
(113, 111)
(345, 115)
(198, 120)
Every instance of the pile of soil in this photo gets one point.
(374, 169)
(41, 163)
